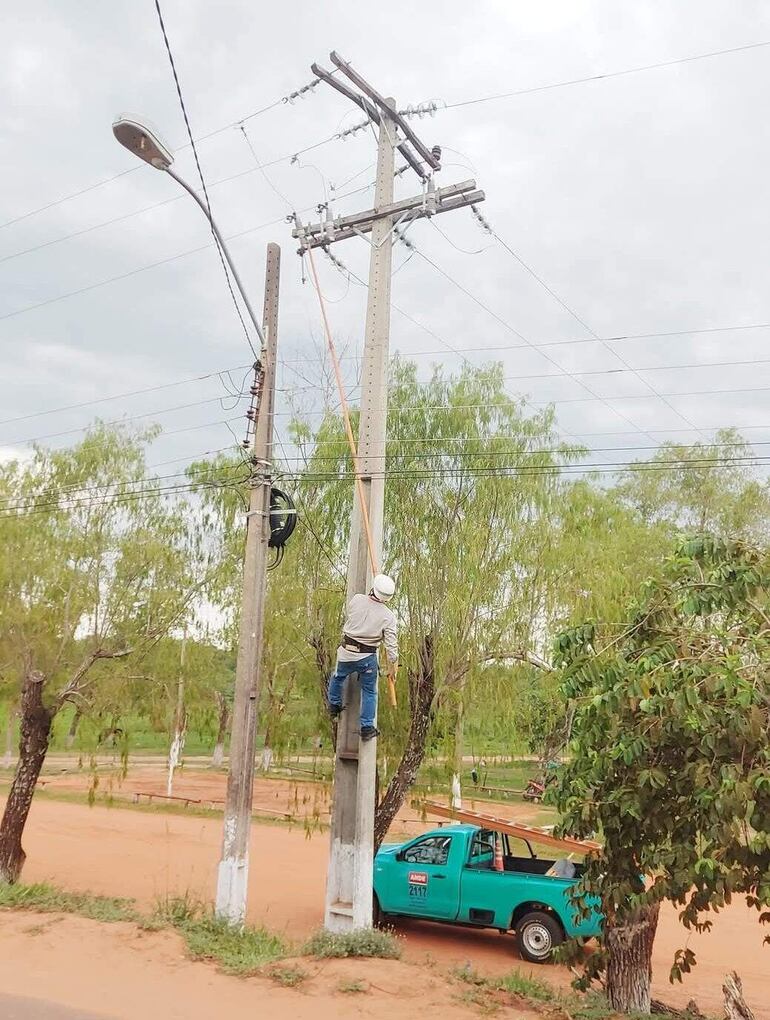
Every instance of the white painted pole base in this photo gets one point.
(457, 795)
(232, 883)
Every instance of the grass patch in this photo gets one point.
(528, 988)
(492, 993)
(48, 899)
(365, 942)
(352, 987)
(175, 911)
(289, 976)
(236, 950)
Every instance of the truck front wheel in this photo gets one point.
(537, 935)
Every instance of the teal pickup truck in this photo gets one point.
(448, 875)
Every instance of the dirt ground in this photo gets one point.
(149, 855)
(119, 971)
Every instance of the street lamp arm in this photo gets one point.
(223, 246)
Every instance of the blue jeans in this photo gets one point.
(367, 670)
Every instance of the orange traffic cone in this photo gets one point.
(497, 864)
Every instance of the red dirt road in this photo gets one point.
(118, 972)
(148, 855)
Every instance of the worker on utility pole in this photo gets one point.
(368, 623)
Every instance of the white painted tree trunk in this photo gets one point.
(174, 757)
(267, 759)
(457, 794)
(180, 724)
(218, 757)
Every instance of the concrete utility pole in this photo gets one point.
(232, 880)
(349, 881)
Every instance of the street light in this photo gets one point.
(143, 141)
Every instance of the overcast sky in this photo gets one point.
(641, 200)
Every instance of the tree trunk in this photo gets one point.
(180, 723)
(73, 730)
(224, 719)
(735, 1004)
(8, 756)
(33, 744)
(629, 966)
(422, 689)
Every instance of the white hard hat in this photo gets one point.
(383, 587)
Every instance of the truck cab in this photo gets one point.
(449, 875)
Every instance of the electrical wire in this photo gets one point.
(121, 396)
(507, 471)
(160, 262)
(267, 180)
(510, 328)
(606, 75)
(546, 343)
(462, 455)
(447, 106)
(571, 311)
(225, 270)
(134, 169)
(570, 400)
(133, 272)
(120, 421)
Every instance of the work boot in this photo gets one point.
(335, 711)
(369, 732)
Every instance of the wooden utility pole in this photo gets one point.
(232, 880)
(351, 860)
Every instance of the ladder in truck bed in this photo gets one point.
(532, 833)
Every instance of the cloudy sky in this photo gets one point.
(639, 199)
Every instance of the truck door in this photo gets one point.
(426, 878)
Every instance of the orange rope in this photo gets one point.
(351, 441)
(346, 417)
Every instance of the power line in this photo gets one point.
(120, 421)
(122, 396)
(132, 272)
(492, 348)
(112, 500)
(447, 106)
(160, 262)
(562, 400)
(571, 311)
(54, 494)
(225, 270)
(608, 74)
(509, 471)
(514, 448)
(134, 169)
(528, 343)
(149, 208)
(528, 377)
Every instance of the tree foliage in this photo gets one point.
(670, 759)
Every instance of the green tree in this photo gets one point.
(670, 760)
(706, 488)
(95, 569)
(473, 485)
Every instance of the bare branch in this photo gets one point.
(518, 655)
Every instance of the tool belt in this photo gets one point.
(351, 645)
